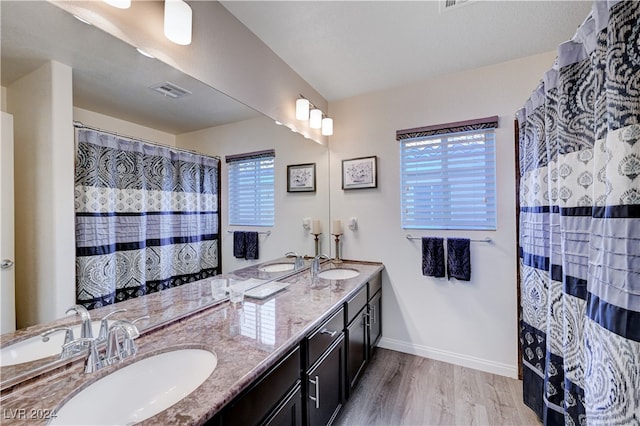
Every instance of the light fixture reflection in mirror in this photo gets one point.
(177, 21)
(120, 4)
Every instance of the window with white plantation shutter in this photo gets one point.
(251, 188)
(448, 176)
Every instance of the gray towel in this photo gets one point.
(459, 258)
(433, 257)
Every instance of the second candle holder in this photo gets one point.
(337, 239)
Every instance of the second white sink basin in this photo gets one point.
(338, 274)
(34, 348)
(277, 267)
(140, 390)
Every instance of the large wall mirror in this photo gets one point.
(110, 90)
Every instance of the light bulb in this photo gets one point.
(315, 119)
(302, 109)
(178, 17)
(120, 4)
(327, 126)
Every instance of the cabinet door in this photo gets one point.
(325, 386)
(259, 401)
(357, 353)
(375, 321)
(289, 413)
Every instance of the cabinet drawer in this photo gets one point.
(324, 336)
(356, 303)
(375, 284)
(252, 406)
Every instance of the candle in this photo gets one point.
(337, 227)
(316, 228)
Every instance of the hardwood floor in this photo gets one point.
(402, 389)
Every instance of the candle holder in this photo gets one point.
(317, 240)
(337, 258)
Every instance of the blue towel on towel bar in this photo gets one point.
(433, 257)
(251, 245)
(459, 258)
(239, 244)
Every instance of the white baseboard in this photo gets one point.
(450, 357)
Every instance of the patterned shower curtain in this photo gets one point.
(580, 226)
(146, 218)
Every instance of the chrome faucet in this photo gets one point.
(299, 262)
(86, 331)
(115, 351)
(68, 336)
(70, 346)
(93, 362)
(315, 265)
(104, 325)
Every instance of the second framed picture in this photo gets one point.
(358, 173)
(301, 178)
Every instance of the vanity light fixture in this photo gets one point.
(302, 109)
(84, 21)
(317, 119)
(178, 18)
(120, 4)
(327, 126)
(143, 53)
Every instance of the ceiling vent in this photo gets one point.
(171, 90)
(446, 5)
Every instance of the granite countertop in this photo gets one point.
(245, 343)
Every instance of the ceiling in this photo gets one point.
(346, 48)
(109, 75)
(341, 48)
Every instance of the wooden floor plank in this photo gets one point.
(402, 389)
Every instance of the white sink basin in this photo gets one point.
(277, 267)
(34, 348)
(140, 390)
(338, 274)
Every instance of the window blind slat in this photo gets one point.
(251, 191)
(448, 181)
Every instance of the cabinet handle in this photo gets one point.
(366, 319)
(330, 333)
(316, 398)
(373, 313)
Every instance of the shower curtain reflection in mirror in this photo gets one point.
(147, 218)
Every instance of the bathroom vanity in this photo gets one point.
(293, 357)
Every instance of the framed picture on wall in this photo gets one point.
(301, 178)
(358, 173)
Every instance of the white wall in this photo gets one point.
(290, 148)
(45, 252)
(468, 323)
(122, 127)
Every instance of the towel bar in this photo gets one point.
(267, 233)
(484, 240)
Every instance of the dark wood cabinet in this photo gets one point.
(258, 403)
(364, 329)
(375, 321)
(289, 412)
(357, 350)
(309, 385)
(325, 385)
